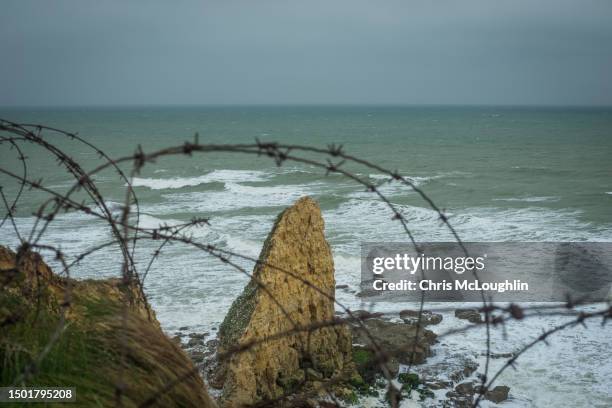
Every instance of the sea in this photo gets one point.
(500, 174)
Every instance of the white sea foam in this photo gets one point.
(393, 188)
(552, 375)
(371, 220)
(421, 179)
(243, 246)
(149, 222)
(183, 281)
(223, 176)
(528, 199)
(234, 196)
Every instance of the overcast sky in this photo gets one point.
(92, 52)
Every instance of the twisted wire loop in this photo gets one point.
(126, 233)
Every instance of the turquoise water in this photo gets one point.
(468, 157)
(501, 174)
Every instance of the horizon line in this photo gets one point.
(328, 104)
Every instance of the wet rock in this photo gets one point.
(467, 369)
(395, 340)
(364, 314)
(214, 381)
(199, 336)
(427, 317)
(498, 394)
(454, 368)
(438, 384)
(342, 286)
(327, 404)
(369, 293)
(366, 363)
(460, 401)
(193, 342)
(184, 328)
(466, 388)
(176, 339)
(212, 344)
(270, 367)
(197, 356)
(471, 315)
(500, 355)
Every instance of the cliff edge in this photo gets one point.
(110, 353)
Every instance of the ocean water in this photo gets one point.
(501, 174)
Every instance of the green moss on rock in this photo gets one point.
(106, 337)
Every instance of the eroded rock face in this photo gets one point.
(104, 320)
(274, 366)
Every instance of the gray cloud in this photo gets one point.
(63, 52)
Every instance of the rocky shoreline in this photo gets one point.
(361, 359)
(453, 382)
(281, 344)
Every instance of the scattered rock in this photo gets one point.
(198, 335)
(471, 315)
(466, 388)
(193, 342)
(396, 340)
(197, 356)
(268, 369)
(327, 404)
(369, 292)
(438, 384)
(212, 344)
(467, 369)
(366, 363)
(499, 355)
(427, 317)
(364, 314)
(460, 401)
(498, 394)
(454, 368)
(184, 328)
(176, 339)
(342, 286)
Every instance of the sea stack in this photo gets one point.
(278, 359)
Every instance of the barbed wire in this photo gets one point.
(127, 232)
